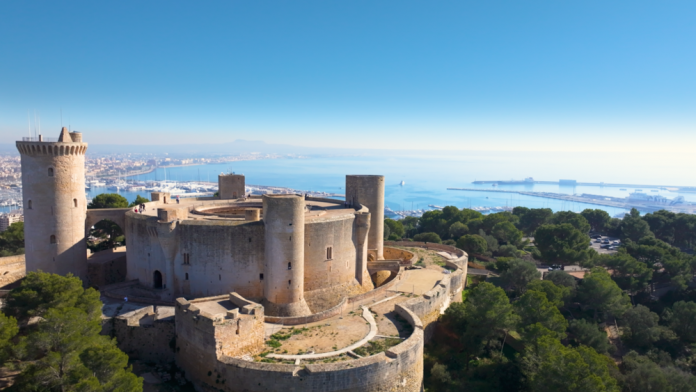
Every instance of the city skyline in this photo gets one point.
(536, 76)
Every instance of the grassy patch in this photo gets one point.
(291, 333)
(274, 343)
(376, 346)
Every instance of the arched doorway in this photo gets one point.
(157, 280)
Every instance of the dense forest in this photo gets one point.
(12, 240)
(50, 335)
(628, 325)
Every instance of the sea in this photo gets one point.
(426, 177)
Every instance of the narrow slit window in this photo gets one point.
(289, 281)
(52, 239)
(50, 172)
(74, 202)
(260, 276)
(289, 266)
(29, 205)
(187, 276)
(329, 253)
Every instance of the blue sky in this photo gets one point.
(460, 75)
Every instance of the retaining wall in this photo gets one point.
(405, 257)
(12, 269)
(335, 311)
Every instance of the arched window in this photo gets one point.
(74, 202)
(50, 172)
(28, 204)
(53, 239)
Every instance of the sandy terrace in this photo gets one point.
(321, 337)
(341, 331)
(418, 281)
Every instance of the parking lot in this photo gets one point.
(601, 246)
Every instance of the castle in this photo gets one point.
(231, 264)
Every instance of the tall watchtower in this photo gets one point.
(53, 193)
(368, 190)
(283, 217)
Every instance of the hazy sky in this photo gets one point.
(465, 75)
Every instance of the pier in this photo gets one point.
(686, 208)
(575, 183)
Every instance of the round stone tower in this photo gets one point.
(283, 217)
(53, 192)
(369, 191)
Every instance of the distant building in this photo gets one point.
(7, 219)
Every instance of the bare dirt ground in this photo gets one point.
(418, 281)
(339, 332)
(429, 258)
(321, 337)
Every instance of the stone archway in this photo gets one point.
(116, 215)
(105, 234)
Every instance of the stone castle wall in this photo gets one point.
(12, 269)
(143, 335)
(106, 267)
(199, 258)
(400, 368)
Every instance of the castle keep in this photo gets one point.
(218, 271)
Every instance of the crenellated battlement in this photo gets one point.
(51, 149)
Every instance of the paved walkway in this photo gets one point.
(373, 332)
